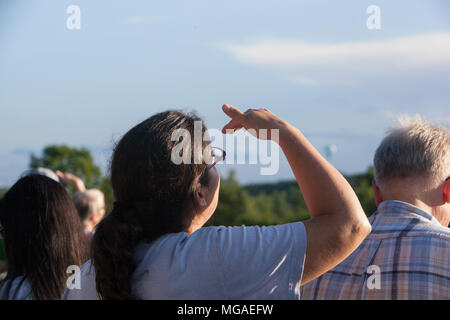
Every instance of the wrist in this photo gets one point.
(286, 132)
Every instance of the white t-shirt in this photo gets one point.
(215, 263)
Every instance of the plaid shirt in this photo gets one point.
(408, 251)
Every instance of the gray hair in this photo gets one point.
(88, 202)
(414, 148)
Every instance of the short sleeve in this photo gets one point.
(262, 262)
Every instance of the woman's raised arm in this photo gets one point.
(338, 224)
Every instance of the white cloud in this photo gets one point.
(313, 63)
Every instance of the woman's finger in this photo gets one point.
(232, 125)
(232, 112)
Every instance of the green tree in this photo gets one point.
(77, 161)
(362, 184)
(277, 203)
(296, 200)
(260, 210)
(263, 204)
(2, 192)
(232, 202)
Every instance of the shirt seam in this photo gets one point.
(298, 258)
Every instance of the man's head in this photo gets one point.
(91, 207)
(412, 165)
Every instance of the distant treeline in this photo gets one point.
(255, 204)
(276, 203)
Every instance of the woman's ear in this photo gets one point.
(377, 193)
(200, 199)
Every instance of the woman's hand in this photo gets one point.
(71, 180)
(255, 121)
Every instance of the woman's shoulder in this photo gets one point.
(82, 285)
(248, 232)
(15, 289)
(209, 239)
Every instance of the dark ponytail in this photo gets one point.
(151, 192)
(113, 245)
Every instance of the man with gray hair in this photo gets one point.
(91, 208)
(407, 254)
(90, 203)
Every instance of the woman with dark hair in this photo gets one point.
(43, 237)
(152, 245)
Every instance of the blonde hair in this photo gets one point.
(414, 148)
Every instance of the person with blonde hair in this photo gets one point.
(407, 254)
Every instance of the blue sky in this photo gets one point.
(314, 63)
